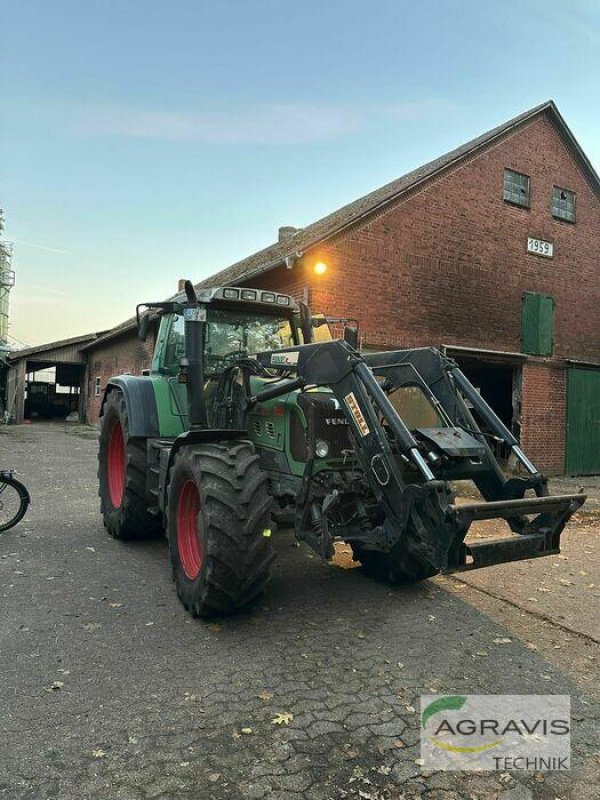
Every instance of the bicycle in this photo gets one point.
(14, 500)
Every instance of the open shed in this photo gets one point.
(47, 381)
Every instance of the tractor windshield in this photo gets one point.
(231, 335)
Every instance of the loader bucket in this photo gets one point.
(539, 536)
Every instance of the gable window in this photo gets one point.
(563, 204)
(537, 324)
(516, 188)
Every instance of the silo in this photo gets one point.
(7, 281)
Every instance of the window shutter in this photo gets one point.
(546, 326)
(529, 323)
(537, 324)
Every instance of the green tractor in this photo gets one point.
(253, 414)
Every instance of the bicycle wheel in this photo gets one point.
(14, 499)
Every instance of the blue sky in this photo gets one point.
(145, 141)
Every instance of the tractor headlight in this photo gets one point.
(321, 448)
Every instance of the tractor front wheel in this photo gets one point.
(219, 527)
(397, 566)
(122, 475)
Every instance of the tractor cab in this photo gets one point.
(238, 324)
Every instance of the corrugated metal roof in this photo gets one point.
(119, 330)
(71, 344)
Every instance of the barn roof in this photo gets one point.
(354, 212)
(76, 342)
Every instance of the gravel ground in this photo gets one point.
(110, 690)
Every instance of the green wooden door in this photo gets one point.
(583, 422)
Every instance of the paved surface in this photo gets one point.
(109, 689)
(589, 483)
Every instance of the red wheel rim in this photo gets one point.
(191, 553)
(116, 465)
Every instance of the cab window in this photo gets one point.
(174, 349)
(231, 335)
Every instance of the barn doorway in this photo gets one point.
(52, 392)
(497, 377)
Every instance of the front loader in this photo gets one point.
(244, 419)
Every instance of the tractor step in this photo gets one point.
(155, 448)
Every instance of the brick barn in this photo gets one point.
(489, 252)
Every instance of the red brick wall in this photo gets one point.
(543, 413)
(120, 355)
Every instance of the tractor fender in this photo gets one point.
(140, 400)
(191, 437)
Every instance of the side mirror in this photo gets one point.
(144, 325)
(143, 319)
(318, 320)
(305, 322)
(351, 336)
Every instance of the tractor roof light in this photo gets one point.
(267, 297)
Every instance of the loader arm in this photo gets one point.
(408, 471)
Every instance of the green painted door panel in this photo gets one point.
(171, 405)
(583, 422)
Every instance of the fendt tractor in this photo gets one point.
(253, 413)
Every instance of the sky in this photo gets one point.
(142, 141)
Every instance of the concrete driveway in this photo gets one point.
(110, 690)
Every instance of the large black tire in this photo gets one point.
(219, 527)
(14, 500)
(397, 566)
(122, 466)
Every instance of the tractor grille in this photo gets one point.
(329, 422)
(264, 429)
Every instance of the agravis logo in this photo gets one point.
(454, 703)
(495, 732)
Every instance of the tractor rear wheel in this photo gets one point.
(122, 475)
(219, 527)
